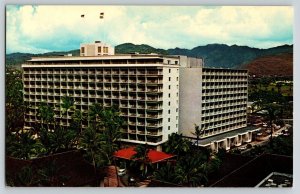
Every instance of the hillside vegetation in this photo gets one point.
(214, 55)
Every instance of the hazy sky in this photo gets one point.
(44, 28)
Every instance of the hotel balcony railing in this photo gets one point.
(153, 125)
(141, 98)
(153, 107)
(141, 115)
(141, 107)
(153, 98)
(154, 73)
(140, 124)
(132, 131)
(141, 72)
(153, 90)
(153, 116)
(132, 114)
(154, 133)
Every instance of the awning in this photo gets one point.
(153, 155)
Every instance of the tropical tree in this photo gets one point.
(90, 141)
(46, 114)
(142, 158)
(272, 112)
(14, 105)
(107, 122)
(177, 145)
(198, 133)
(67, 104)
(22, 145)
(191, 171)
(76, 122)
(166, 173)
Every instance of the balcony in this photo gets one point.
(153, 125)
(154, 133)
(153, 107)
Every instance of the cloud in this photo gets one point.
(47, 28)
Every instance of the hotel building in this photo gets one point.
(157, 95)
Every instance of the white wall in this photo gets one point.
(190, 80)
(172, 125)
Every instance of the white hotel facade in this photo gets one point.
(157, 95)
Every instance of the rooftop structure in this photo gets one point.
(96, 49)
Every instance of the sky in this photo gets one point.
(45, 28)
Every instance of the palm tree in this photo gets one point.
(108, 122)
(198, 132)
(273, 110)
(177, 145)
(77, 119)
(67, 104)
(190, 171)
(46, 114)
(90, 141)
(166, 173)
(22, 145)
(94, 114)
(142, 158)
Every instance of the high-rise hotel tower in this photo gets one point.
(157, 95)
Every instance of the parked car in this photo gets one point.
(121, 171)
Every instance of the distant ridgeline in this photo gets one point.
(214, 55)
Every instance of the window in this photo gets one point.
(169, 78)
(169, 70)
(176, 109)
(105, 49)
(169, 95)
(169, 103)
(177, 94)
(169, 111)
(176, 78)
(176, 117)
(169, 128)
(169, 120)
(169, 87)
(176, 62)
(169, 61)
(99, 49)
(82, 49)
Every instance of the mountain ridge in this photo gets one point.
(215, 55)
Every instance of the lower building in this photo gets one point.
(216, 101)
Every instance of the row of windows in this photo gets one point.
(211, 129)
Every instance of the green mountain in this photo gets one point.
(224, 56)
(127, 48)
(214, 55)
